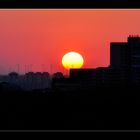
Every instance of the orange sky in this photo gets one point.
(43, 36)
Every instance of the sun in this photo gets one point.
(72, 60)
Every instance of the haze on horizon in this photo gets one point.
(41, 37)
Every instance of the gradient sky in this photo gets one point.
(42, 37)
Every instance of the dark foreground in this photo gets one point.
(99, 109)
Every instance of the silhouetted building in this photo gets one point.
(58, 75)
(13, 78)
(65, 84)
(6, 86)
(126, 57)
(124, 70)
(134, 44)
(81, 74)
(124, 66)
(37, 80)
(119, 55)
(125, 54)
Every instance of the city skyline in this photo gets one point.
(59, 102)
(40, 38)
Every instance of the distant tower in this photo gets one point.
(18, 68)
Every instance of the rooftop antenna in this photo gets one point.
(42, 67)
(12, 69)
(9, 70)
(51, 68)
(30, 67)
(18, 66)
(25, 69)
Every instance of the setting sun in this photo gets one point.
(72, 60)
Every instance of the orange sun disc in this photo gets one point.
(72, 60)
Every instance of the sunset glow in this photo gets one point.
(36, 40)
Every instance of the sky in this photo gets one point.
(37, 39)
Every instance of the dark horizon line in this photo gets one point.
(69, 4)
(19, 73)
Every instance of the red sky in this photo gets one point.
(40, 37)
